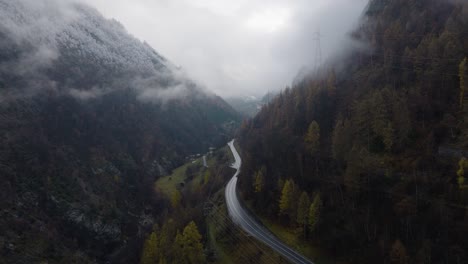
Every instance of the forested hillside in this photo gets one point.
(367, 158)
(90, 117)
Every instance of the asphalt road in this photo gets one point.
(240, 217)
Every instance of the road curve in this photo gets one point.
(240, 217)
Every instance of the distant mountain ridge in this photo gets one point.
(249, 106)
(89, 118)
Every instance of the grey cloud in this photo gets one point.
(92, 93)
(23, 26)
(212, 41)
(164, 95)
(39, 58)
(223, 45)
(40, 31)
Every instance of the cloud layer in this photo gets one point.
(238, 47)
(66, 48)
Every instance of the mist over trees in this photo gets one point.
(71, 49)
(90, 117)
(376, 140)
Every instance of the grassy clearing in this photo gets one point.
(222, 256)
(169, 184)
(229, 244)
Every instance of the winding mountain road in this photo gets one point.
(240, 217)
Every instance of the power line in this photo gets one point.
(318, 51)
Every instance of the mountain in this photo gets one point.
(90, 117)
(249, 106)
(367, 160)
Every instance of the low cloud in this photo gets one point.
(231, 48)
(36, 33)
(164, 87)
(92, 93)
(164, 95)
(38, 59)
(35, 24)
(239, 47)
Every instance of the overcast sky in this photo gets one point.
(238, 47)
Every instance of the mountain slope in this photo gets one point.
(89, 118)
(375, 141)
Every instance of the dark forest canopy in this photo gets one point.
(380, 137)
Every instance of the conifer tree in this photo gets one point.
(259, 182)
(188, 247)
(314, 212)
(342, 139)
(312, 138)
(462, 71)
(166, 235)
(178, 249)
(286, 198)
(192, 245)
(462, 165)
(303, 209)
(150, 250)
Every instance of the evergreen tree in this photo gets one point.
(188, 246)
(178, 249)
(150, 250)
(461, 74)
(286, 198)
(342, 139)
(167, 235)
(312, 138)
(314, 212)
(259, 182)
(280, 184)
(193, 247)
(462, 165)
(303, 209)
